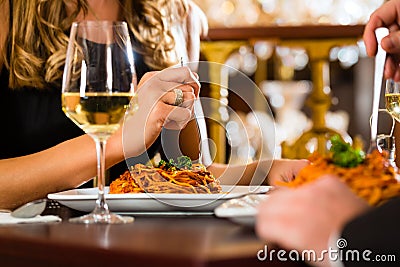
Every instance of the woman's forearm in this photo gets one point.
(266, 172)
(61, 167)
(253, 173)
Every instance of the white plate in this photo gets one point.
(84, 200)
(241, 210)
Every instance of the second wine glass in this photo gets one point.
(98, 89)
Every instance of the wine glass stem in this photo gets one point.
(101, 205)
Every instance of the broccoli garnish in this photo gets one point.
(167, 165)
(344, 155)
(184, 162)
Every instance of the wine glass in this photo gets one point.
(392, 105)
(98, 89)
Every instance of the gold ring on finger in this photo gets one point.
(178, 97)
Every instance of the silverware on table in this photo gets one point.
(30, 209)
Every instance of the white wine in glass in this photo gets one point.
(392, 98)
(98, 89)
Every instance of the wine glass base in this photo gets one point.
(110, 218)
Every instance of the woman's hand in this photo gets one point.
(156, 101)
(285, 170)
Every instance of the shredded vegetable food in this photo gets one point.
(166, 178)
(373, 180)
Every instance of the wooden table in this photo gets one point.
(149, 241)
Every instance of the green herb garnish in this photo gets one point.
(166, 165)
(344, 155)
(183, 162)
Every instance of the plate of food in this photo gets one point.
(372, 177)
(167, 187)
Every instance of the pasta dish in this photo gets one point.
(163, 179)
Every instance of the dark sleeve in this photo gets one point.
(377, 231)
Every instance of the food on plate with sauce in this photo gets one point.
(167, 177)
(372, 176)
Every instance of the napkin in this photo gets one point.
(6, 218)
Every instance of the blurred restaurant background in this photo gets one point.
(307, 60)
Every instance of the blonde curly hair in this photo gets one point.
(38, 39)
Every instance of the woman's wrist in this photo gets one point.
(114, 149)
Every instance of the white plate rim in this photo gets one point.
(83, 199)
(91, 193)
